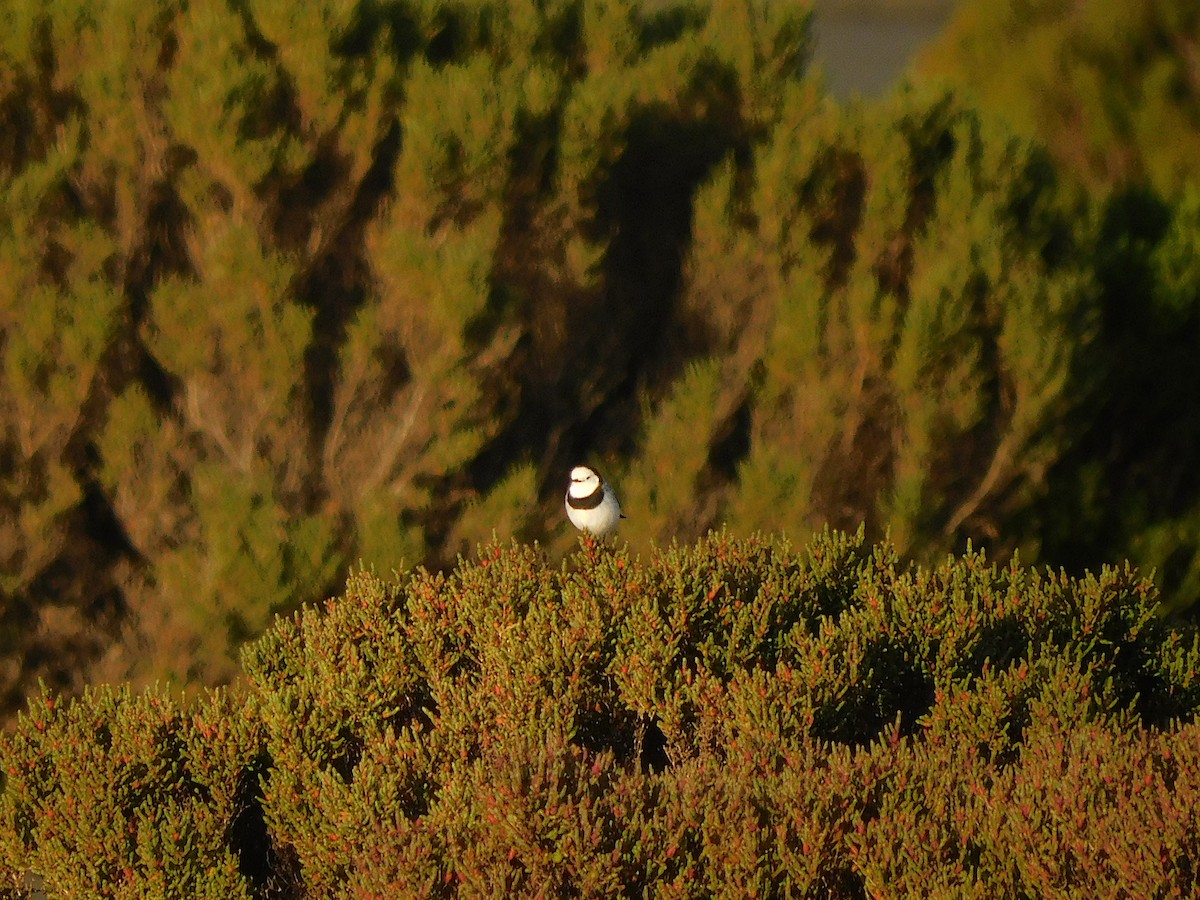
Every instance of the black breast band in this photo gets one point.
(591, 501)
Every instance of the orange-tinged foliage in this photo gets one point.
(285, 289)
(725, 717)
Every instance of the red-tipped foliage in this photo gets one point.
(729, 717)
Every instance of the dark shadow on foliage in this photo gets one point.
(1159, 701)
(250, 840)
(1135, 462)
(1000, 644)
(622, 338)
(731, 443)
(664, 24)
(894, 689)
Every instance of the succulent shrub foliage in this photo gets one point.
(731, 717)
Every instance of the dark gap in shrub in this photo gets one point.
(1159, 702)
(732, 445)
(663, 23)
(1015, 725)
(332, 289)
(644, 212)
(249, 838)
(596, 732)
(843, 884)
(449, 36)
(896, 689)
(285, 880)
(1000, 643)
(654, 749)
(609, 730)
(346, 762)
(831, 597)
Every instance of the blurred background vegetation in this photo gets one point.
(287, 287)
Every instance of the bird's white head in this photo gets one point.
(584, 481)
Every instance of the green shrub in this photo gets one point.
(894, 314)
(1109, 89)
(286, 288)
(730, 717)
(133, 795)
(1111, 92)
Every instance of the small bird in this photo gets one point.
(592, 504)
